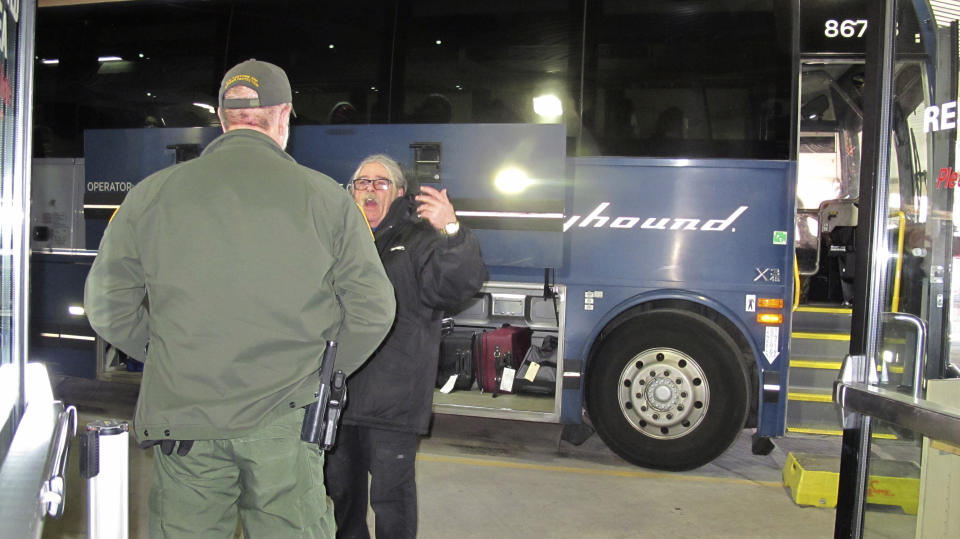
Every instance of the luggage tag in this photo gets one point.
(532, 369)
(448, 386)
(506, 381)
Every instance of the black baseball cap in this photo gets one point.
(269, 81)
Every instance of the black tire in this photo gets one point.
(694, 397)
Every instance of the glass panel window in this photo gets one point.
(487, 62)
(159, 64)
(709, 80)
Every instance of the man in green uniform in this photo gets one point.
(227, 274)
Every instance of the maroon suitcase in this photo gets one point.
(503, 347)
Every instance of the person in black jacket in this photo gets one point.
(434, 264)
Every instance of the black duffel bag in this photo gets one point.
(542, 359)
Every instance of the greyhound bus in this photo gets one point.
(630, 169)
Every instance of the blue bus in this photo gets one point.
(631, 170)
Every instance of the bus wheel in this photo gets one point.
(667, 390)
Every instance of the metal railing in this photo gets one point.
(932, 420)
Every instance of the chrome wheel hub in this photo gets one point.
(663, 393)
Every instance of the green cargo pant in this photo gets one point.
(270, 477)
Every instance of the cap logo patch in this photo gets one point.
(242, 78)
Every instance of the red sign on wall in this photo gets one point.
(947, 179)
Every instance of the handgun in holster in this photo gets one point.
(322, 417)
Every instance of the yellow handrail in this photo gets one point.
(796, 281)
(895, 302)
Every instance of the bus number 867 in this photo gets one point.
(847, 28)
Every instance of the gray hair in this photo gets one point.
(263, 117)
(394, 172)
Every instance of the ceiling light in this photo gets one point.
(547, 106)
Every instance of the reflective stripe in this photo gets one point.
(68, 336)
(65, 252)
(510, 214)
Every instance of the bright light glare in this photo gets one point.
(109, 59)
(10, 216)
(76, 310)
(9, 384)
(512, 180)
(547, 106)
(818, 179)
(38, 384)
(50, 61)
(208, 108)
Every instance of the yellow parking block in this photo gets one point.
(813, 480)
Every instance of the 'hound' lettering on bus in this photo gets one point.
(596, 219)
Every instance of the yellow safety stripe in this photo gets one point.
(820, 336)
(809, 397)
(835, 310)
(834, 365)
(829, 432)
(807, 364)
(671, 476)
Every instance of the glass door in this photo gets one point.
(13, 186)
(891, 481)
(34, 428)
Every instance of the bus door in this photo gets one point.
(829, 198)
(901, 411)
(827, 180)
(828, 170)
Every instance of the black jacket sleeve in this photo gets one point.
(453, 271)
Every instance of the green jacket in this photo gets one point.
(231, 266)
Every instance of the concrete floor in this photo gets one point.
(493, 478)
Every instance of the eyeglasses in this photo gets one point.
(380, 184)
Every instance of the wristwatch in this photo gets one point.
(451, 229)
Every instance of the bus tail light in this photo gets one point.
(769, 318)
(770, 303)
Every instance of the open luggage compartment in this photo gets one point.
(515, 304)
